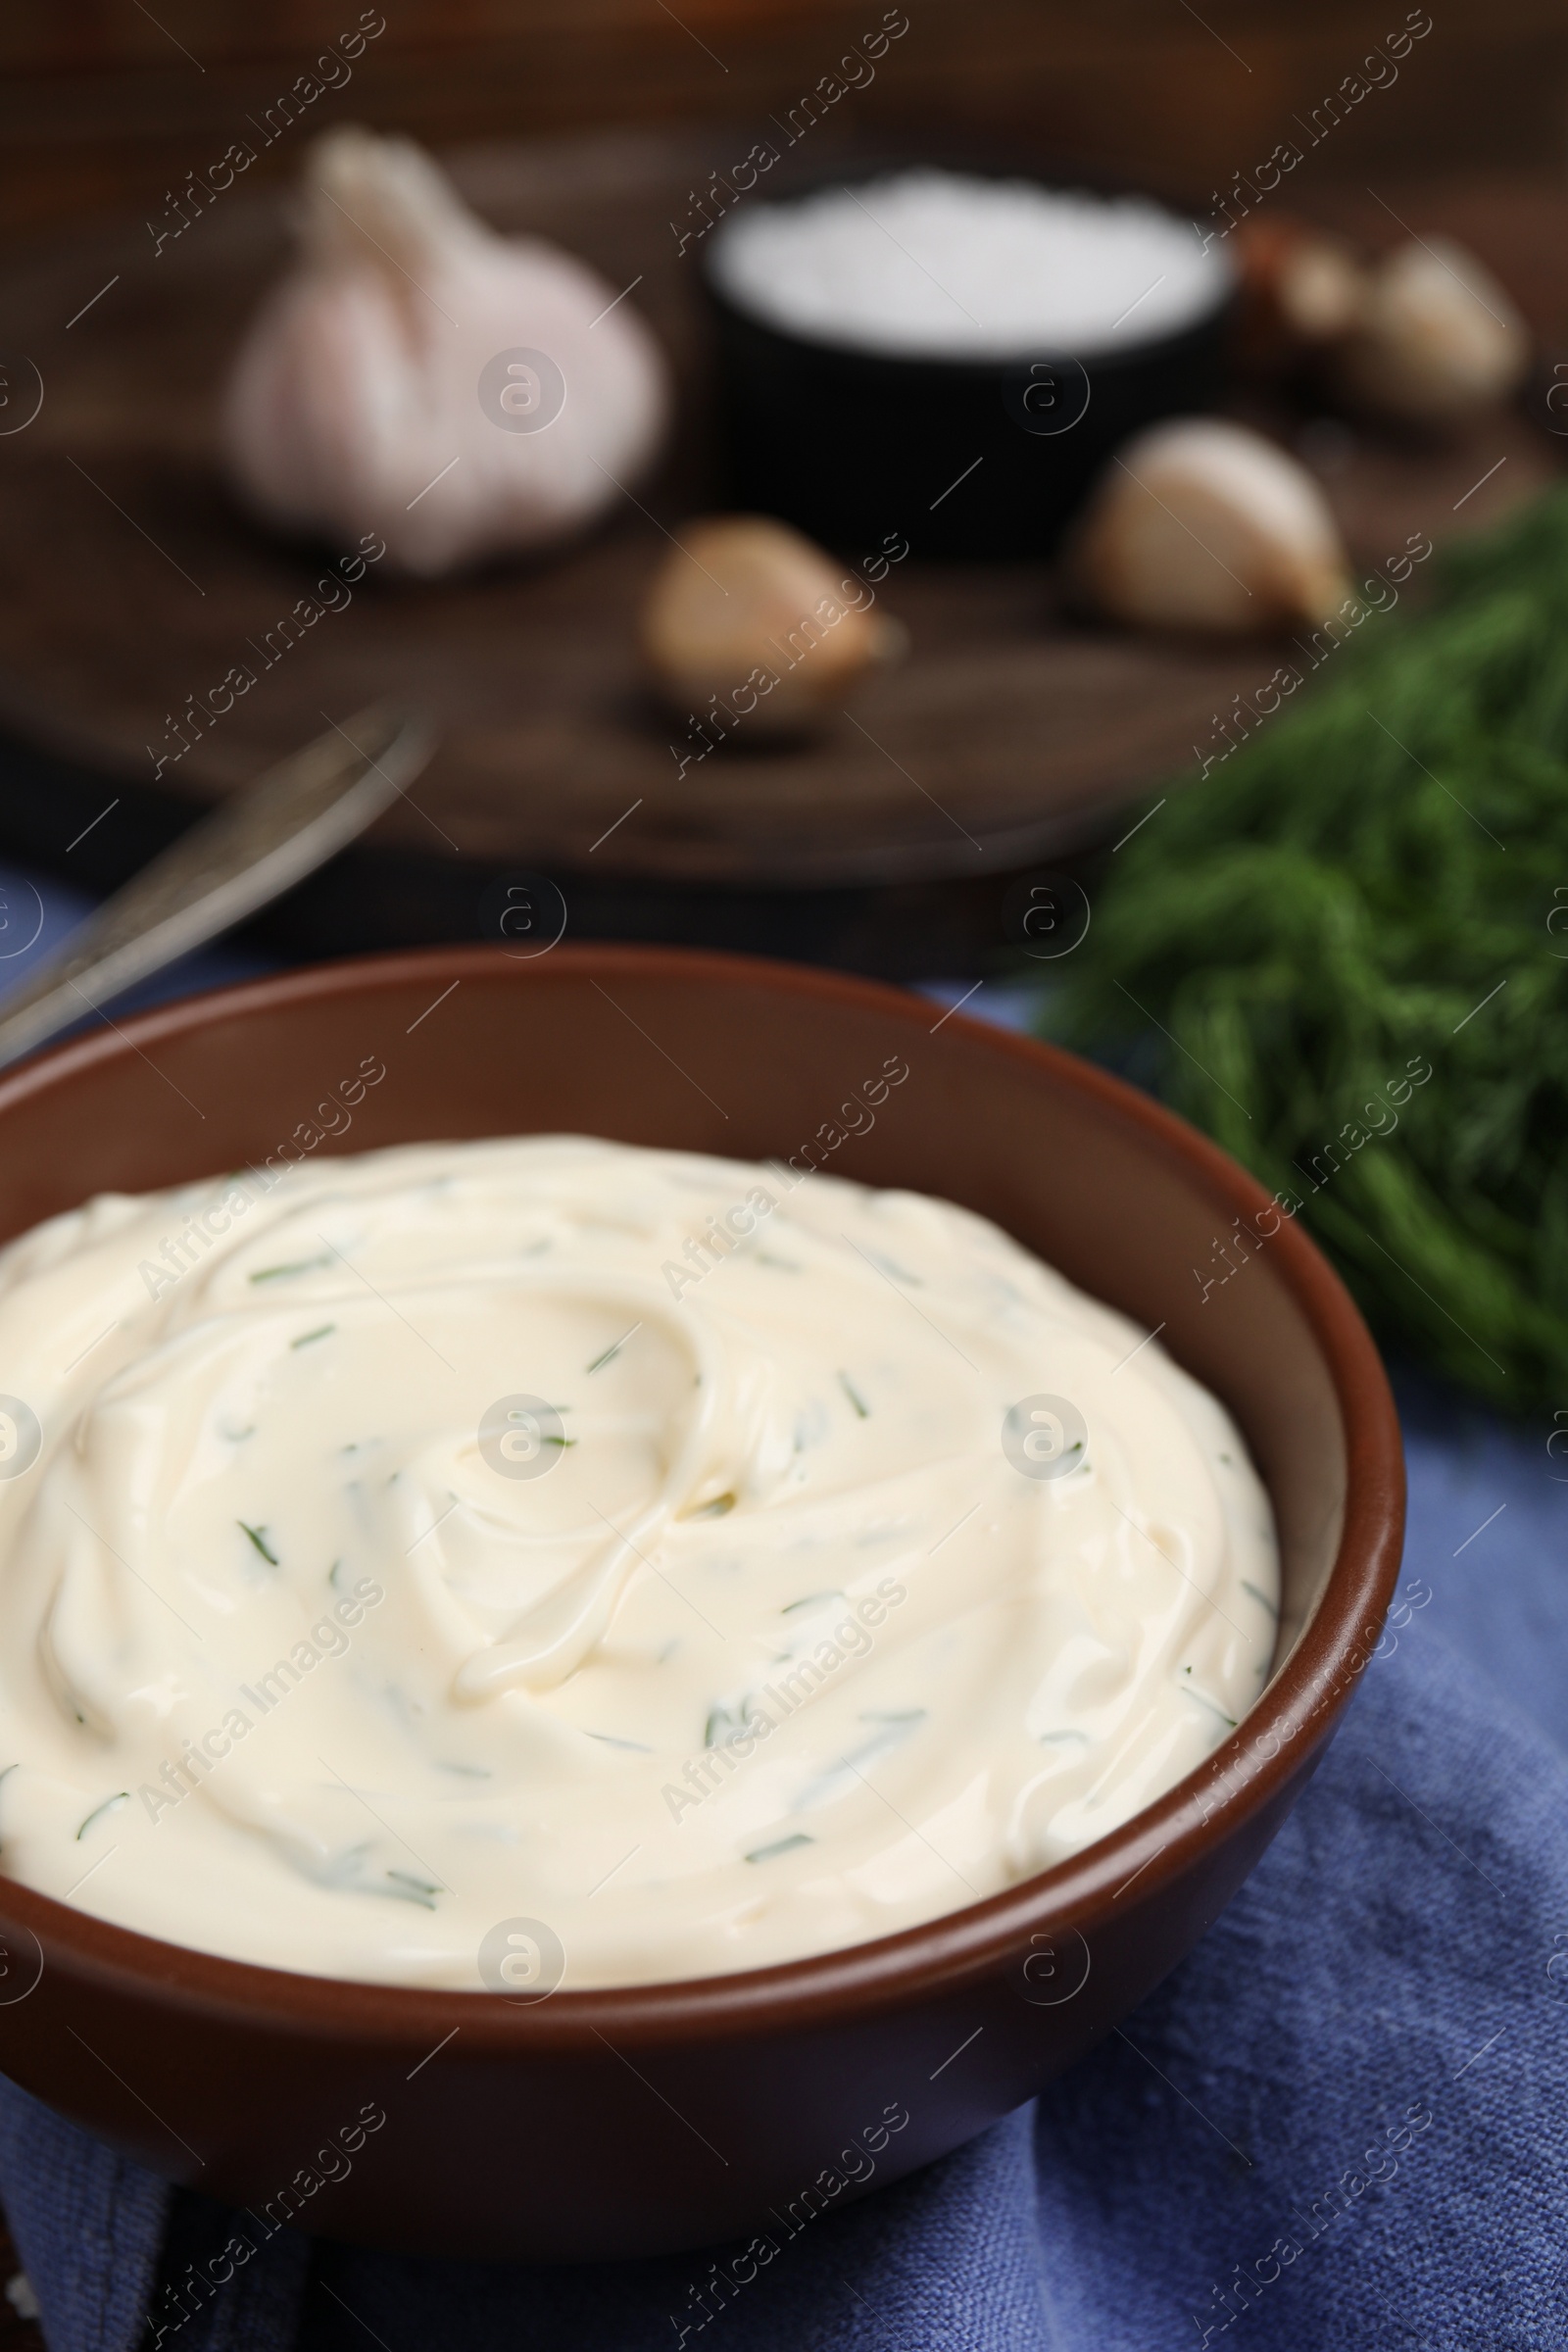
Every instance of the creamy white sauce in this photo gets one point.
(781, 1651)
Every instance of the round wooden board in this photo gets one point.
(130, 581)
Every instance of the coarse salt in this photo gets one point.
(938, 264)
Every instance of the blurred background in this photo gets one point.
(130, 575)
(103, 106)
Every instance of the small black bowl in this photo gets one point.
(985, 457)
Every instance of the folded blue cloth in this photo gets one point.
(1339, 2124)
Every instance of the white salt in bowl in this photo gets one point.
(953, 356)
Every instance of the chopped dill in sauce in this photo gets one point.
(409, 1890)
(301, 1265)
(780, 1845)
(724, 1724)
(1203, 1700)
(718, 1508)
(614, 1349)
(891, 1267)
(111, 1804)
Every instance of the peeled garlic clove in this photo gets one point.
(1199, 524)
(1300, 288)
(743, 595)
(373, 391)
(1438, 338)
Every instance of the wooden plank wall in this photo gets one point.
(108, 102)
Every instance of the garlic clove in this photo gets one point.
(1300, 289)
(361, 399)
(1438, 340)
(743, 599)
(1202, 524)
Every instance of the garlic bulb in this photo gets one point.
(748, 607)
(1438, 338)
(459, 393)
(1201, 525)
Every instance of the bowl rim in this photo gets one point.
(1155, 1846)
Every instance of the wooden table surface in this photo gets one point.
(130, 581)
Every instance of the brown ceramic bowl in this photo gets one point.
(627, 2121)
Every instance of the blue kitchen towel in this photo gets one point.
(1339, 2124)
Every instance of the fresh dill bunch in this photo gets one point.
(1377, 882)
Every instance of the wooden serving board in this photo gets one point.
(129, 580)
